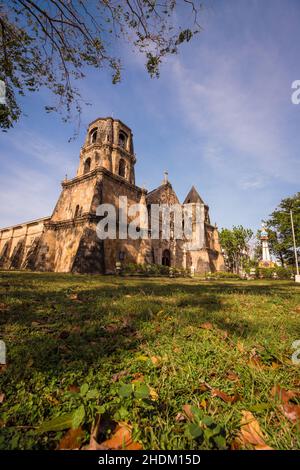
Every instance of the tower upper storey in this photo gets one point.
(108, 144)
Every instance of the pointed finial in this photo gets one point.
(166, 174)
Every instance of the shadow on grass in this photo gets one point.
(49, 330)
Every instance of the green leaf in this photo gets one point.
(207, 420)
(57, 424)
(197, 412)
(92, 394)
(220, 442)
(142, 391)
(78, 417)
(84, 389)
(125, 390)
(194, 430)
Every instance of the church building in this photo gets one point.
(67, 241)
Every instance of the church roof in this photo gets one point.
(193, 197)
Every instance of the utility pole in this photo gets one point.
(297, 277)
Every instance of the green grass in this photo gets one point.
(65, 330)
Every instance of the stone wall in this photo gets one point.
(17, 241)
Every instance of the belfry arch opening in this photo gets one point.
(93, 136)
(122, 168)
(87, 165)
(122, 139)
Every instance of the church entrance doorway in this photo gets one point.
(166, 258)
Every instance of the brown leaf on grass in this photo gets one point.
(275, 365)
(240, 346)
(119, 375)
(180, 417)
(3, 307)
(138, 377)
(290, 410)
(204, 387)
(251, 433)
(282, 395)
(188, 411)
(2, 397)
(255, 362)
(153, 394)
(74, 296)
(72, 439)
(121, 439)
(203, 404)
(156, 360)
(223, 334)
(73, 388)
(112, 328)
(232, 376)
(207, 326)
(215, 392)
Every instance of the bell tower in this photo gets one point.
(108, 144)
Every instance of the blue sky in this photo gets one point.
(220, 117)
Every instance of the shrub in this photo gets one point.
(222, 275)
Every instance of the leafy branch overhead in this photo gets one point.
(52, 43)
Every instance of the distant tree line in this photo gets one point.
(235, 242)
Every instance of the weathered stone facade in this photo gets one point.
(68, 242)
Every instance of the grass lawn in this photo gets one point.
(137, 350)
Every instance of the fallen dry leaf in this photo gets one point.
(2, 397)
(180, 417)
(232, 376)
(188, 411)
(204, 387)
(255, 361)
(275, 365)
(290, 410)
(119, 375)
(153, 394)
(203, 404)
(121, 438)
(72, 439)
(215, 392)
(251, 433)
(156, 360)
(74, 297)
(223, 334)
(207, 326)
(73, 388)
(282, 395)
(240, 346)
(138, 377)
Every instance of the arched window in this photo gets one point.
(76, 214)
(87, 165)
(122, 168)
(166, 258)
(93, 136)
(122, 139)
